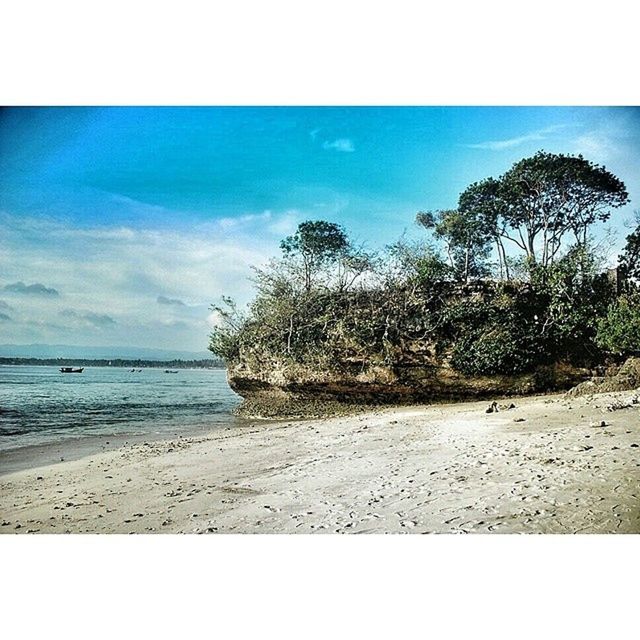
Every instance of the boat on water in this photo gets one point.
(170, 371)
(71, 370)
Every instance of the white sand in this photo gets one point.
(448, 468)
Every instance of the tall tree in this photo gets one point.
(482, 204)
(540, 200)
(548, 195)
(465, 238)
(317, 244)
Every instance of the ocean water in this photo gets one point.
(40, 405)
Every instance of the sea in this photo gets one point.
(103, 407)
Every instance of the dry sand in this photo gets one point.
(546, 466)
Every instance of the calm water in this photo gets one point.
(40, 405)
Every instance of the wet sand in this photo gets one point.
(545, 466)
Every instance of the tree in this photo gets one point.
(629, 260)
(481, 203)
(352, 264)
(416, 263)
(465, 237)
(576, 294)
(540, 200)
(229, 321)
(316, 244)
(548, 195)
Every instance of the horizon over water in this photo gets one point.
(41, 406)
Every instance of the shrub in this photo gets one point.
(496, 350)
(619, 330)
(496, 336)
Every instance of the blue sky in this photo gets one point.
(118, 208)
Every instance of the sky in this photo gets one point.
(122, 225)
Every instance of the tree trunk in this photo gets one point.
(499, 259)
(290, 334)
(503, 258)
(466, 264)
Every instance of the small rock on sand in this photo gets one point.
(493, 407)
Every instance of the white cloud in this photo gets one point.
(285, 224)
(598, 145)
(121, 272)
(498, 145)
(242, 221)
(99, 320)
(215, 319)
(341, 144)
(612, 139)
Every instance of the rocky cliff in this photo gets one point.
(329, 352)
(276, 389)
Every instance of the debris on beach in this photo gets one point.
(627, 403)
(493, 407)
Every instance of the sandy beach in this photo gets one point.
(548, 465)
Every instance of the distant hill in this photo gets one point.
(102, 353)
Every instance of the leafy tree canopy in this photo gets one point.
(541, 199)
(629, 260)
(317, 240)
(316, 243)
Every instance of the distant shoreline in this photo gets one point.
(114, 362)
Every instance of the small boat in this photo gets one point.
(71, 370)
(170, 371)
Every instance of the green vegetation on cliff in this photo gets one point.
(508, 282)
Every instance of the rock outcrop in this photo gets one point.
(625, 377)
(277, 390)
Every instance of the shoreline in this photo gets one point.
(545, 466)
(46, 416)
(32, 456)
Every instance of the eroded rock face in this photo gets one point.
(281, 390)
(617, 378)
